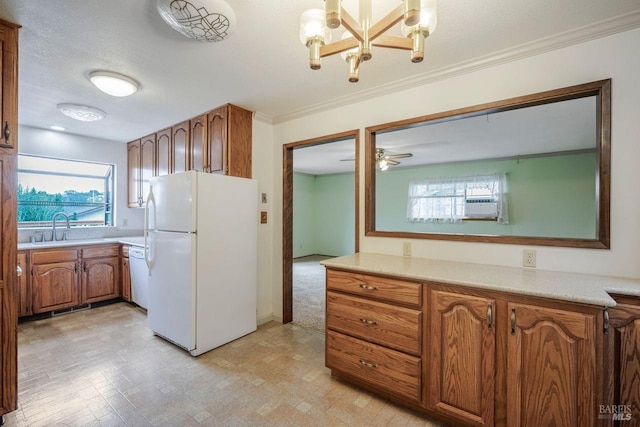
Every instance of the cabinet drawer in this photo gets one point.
(380, 367)
(381, 288)
(53, 255)
(100, 251)
(392, 326)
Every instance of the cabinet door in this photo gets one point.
(100, 279)
(217, 140)
(164, 152)
(133, 174)
(239, 140)
(8, 226)
(462, 357)
(180, 142)
(147, 164)
(54, 286)
(199, 143)
(24, 290)
(551, 368)
(9, 81)
(622, 361)
(126, 280)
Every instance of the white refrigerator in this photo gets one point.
(201, 249)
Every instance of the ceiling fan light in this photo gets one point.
(113, 84)
(202, 20)
(332, 13)
(82, 113)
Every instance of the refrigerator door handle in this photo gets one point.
(147, 252)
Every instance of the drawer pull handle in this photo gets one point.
(490, 316)
(513, 321)
(368, 288)
(368, 322)
(367, 364)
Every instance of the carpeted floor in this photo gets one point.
(309, 292)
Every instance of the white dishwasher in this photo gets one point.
(139, 276)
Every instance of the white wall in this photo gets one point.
(614, 57)
(63, 145)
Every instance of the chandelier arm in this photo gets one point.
(387, 22)
(393, 42)
(339, 46)
(352, 25)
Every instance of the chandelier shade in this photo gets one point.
(418, 17)
(202, 20)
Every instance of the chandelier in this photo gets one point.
(418, 18)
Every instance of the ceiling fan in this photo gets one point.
(385, 160)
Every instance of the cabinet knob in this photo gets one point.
(5, 132)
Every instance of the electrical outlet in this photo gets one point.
(263, 217)
(528, 258)
(406, 248)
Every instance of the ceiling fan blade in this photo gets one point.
(398, 156)
(392, 162)
(347, 160)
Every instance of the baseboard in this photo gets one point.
(269, 318)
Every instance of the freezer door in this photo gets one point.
(174, 207)
(172, 287)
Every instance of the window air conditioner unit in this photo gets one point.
(481, 208)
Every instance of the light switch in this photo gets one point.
(264, 197)
(263, 217)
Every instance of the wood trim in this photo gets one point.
(387, 22)
(601, 89)
(287, 209)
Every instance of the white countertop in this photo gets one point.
(574, 287)
(128, 240)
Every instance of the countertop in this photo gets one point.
(582, 288)
(128, 240)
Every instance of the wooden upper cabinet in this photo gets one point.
(9, 81)
(462, 357)
(164, 152)
(551, 367)
(147, 163)
(180, 142)
(217, 141)
(239, 139)
(133, 174)
(198, 130)
(141, 166)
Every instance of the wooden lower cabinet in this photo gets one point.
(622, 364)
(462, 357)
(100, 273)
(487, 358)
(125, 271)
(55, 286)
(24, 288)
(551, 367)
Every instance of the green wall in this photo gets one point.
(323, 214)
(551, 196)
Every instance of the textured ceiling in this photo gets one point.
(261, 67)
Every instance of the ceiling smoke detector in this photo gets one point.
(202, 20)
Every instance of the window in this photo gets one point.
(81, 190)
(457, 198)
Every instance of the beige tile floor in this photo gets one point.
(103, 367)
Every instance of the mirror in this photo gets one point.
(531, 170)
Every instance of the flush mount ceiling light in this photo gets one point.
(113, 84)
(203, 20)
(81, 112)
(418, 18)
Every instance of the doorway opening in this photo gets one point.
(318, 222)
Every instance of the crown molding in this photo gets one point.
(572, 37)
(261, 117)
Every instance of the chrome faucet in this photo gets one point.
(55, 217)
